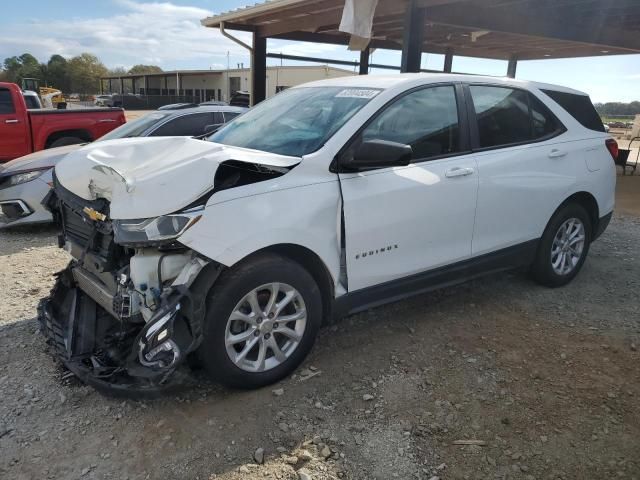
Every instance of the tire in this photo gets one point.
(548, 268)
(263, 274)
(61, 142)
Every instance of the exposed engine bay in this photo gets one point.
(129, 309)
(121, 318)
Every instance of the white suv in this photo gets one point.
(327, 199)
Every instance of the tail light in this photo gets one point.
(612, 146)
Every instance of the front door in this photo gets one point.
(14, 133)
(401, 221)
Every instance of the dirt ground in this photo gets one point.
(544, 383)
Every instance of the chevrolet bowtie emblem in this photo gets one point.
(94, 215)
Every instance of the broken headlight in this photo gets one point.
(154, 230)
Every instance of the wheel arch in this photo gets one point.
(312, 262)
(78, 133)
(587, 201)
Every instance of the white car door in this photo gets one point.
(401, 221)
(525, 168)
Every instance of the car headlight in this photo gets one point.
(154, 230)
(24, 177)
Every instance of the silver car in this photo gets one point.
(25, 181)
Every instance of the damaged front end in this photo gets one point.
(129, 309)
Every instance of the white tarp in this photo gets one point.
(357, 19)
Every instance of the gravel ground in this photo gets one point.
(540, 384)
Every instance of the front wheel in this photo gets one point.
(262, 319)
(563, 247)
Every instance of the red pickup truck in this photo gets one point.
(23, 131)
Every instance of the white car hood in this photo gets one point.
(148, 177)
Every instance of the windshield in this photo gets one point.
(135, 128)
(295, 122)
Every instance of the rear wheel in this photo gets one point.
(563, 247)
(262, 319)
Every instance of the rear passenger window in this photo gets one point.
(579, 107)
(426, 119)
(6, 102)
(188, 125)
(543, 122)
(218, 118)
(502, 114)
(228, 116)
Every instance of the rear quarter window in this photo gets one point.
(579, 107)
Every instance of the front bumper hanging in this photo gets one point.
(126, 358)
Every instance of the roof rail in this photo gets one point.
(178, 106)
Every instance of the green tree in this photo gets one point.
(142, 69)
(56, 74)
(24, 66)
(118, 72)
(618, 108)
(84, 73)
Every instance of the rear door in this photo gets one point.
(525, 165)
(401, 221)
(15, 138)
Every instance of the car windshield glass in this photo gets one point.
(137, 127)
(295, 122)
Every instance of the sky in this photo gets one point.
(123, 33)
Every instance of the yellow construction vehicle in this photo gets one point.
(50, 97)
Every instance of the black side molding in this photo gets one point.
(520, 255)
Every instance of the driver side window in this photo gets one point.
(426, 119)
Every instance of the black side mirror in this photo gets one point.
(379, 153)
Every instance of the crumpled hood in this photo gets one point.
(148, 177)
(43, 158)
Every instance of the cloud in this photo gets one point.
(158, 33)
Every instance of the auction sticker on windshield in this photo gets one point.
(357, 93)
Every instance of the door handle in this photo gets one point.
(106, 120)
(458, 172)
(13, 120)
(555, 153)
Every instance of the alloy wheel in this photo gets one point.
(265, 327)
(568, 246)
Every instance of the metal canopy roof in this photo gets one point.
(498, 29)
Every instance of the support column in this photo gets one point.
(121, 86)
(511, 68)
(110, 87)
(166, 85)
(448, 60)
(364, 61)
(258, 69)
(177, 83)
(146, 85)
(414, 23)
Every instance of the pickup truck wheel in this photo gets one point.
(262, 319)
(563, 247)
(61, 142)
